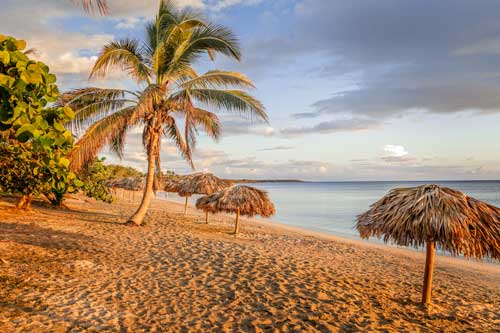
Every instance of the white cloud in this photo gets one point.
(129, 23)
(223, 4)
(395, 150)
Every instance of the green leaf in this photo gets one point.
(6, 80)
(20, 44)
(25, 132)
(30, 76)
(58, 126)
(5, 57)
(78, 183)
(64, 162)
(68, 112)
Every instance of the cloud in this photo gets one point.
(332, 126)
(400, 57)
(397, 154)
(223, 4)
(147, 8)
(395, 150)
(281, 147)
(304, 115)
(129, 23)
(233, 126)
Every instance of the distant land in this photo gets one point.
(240, 181)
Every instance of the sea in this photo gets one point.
(332, 207)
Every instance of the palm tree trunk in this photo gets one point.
(138, 216)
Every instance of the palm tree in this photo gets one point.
(168, 86)
(91, 5)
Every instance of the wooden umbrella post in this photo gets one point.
(206, 217)
(237, 225)
(186, 206)
(429, 268)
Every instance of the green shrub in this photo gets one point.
(33, 139)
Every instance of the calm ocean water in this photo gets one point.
(332, 207)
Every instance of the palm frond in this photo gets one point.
(208, 39)
(171, 131)
(91, 104)
(235, 101)
(90, 6)
(124, 54)
(101, 133)
(214, 38)
(208, 121)
(148, 101)
(219, 79)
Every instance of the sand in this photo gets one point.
(81, 270)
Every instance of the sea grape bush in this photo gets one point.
(94, 176)
(33, 139)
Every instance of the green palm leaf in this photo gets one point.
(124, 54)
(235, 101)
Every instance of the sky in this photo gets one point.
(355, 90)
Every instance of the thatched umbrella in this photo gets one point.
(128, 183)
(432, 215)
(171, 184)
(242, 200)
(201, 183)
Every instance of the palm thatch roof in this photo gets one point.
(249, 200)
(202, 183)
(172, 183)
(128, 183)
(455, 222)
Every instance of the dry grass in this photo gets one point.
(414, 216)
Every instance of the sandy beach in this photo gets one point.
(81, 270)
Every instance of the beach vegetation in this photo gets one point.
(94, 176)
(33, 139)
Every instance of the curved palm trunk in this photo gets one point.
(139, 215)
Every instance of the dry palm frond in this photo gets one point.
(248, 200)
(91, 5)
(106, 131)
(455, 222)
(202, 183)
